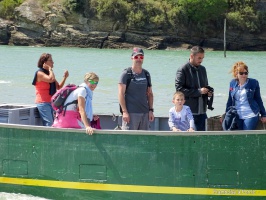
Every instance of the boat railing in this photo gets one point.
(29, 115)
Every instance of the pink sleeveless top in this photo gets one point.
(42, 92)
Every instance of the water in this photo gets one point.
(12, 196)
(18, 64)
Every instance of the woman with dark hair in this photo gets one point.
(45, 86)
(244, 96)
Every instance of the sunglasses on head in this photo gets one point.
(93, 82)
(241, 73)
(138, 56)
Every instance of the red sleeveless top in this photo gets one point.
(42, 92)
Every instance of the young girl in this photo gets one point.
(180, 116)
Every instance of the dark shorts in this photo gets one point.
(138, 121)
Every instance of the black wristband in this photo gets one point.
(151, 109)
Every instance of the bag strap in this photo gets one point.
(130, 76)
(65, 106)
(74, 101)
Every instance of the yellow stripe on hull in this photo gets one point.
(132, 188)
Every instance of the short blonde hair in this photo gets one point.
(178, 93)
(238, 67)
(91, 76)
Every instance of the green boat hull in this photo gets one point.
(68, 164)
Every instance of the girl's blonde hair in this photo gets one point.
(238, 67)
(91, 76)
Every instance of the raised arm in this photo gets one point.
(62, 83)
(41, 76)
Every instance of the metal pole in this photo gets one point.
(225, 37)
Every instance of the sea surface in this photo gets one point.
(11, 196)
(18, 65)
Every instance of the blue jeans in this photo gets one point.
(248, 124)
(200, 122)
(47, 113)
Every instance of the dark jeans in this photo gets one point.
(200, 122)
(248, 124)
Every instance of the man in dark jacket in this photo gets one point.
(191, 79)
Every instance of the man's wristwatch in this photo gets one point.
(151, 109)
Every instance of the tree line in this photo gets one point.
(164, 15)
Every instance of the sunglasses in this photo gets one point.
(137, 57)
(93, 82)
(242, 73)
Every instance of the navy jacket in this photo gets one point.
(253, 96)
(231, 120)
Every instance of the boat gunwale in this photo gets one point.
(134, 132)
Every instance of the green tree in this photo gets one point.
(202, 13)
(243, 15)
(7, 8)
(161, 13)
(115, 9)
(238, 5)
(137, 13)
(74, 5)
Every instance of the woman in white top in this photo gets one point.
(79, 115)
